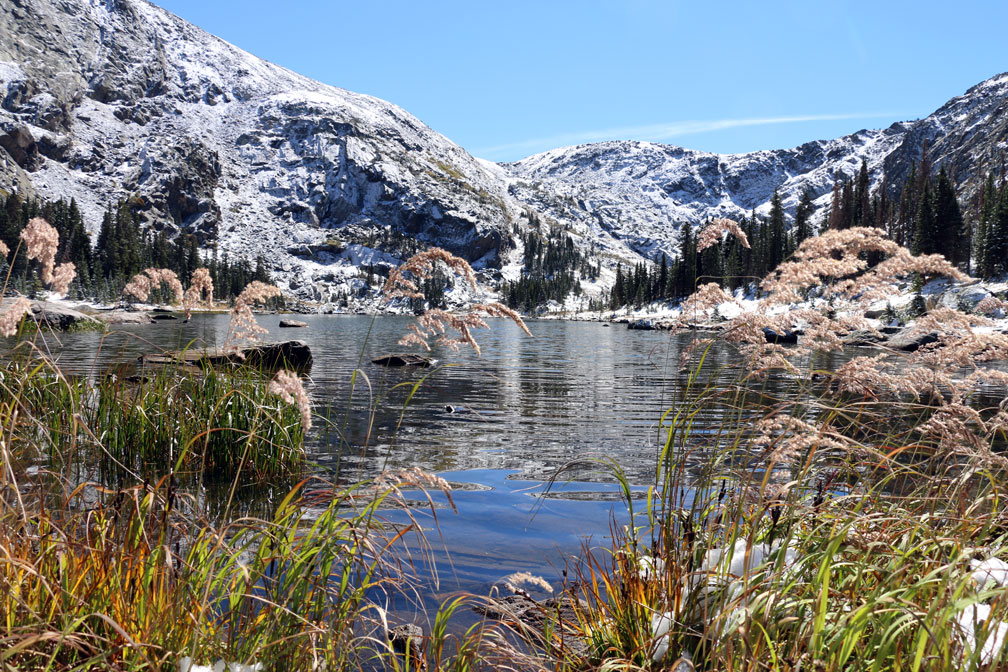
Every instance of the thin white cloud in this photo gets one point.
(656, 132)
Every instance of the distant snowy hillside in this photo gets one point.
(642, 191)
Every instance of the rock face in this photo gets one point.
(113, 99)
(128, 100)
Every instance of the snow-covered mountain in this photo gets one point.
(119, 98)
(642, 191)
(103, 100)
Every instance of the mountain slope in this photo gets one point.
(121, 99)
(642, 191)
(117, 99)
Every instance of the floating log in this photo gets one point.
(403, 359)
(288, 354)
(292, 324)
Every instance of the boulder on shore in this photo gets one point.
(864, 337)
(60, 317)
(288, 354)
(911, 339)
(782, 336)
(125, 317)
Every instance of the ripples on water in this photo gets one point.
(504, 422)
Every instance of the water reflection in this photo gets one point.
(504, 422)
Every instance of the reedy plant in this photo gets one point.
(847, 530)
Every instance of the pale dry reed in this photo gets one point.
(42, 241)
(63, 276)
(11, 318)
(514, 581)
(712, 234)
(201, 289)
(243, 325)
(141, 284)
(421, 265)
(435, 322)
(831, 279)
(991, 306)
(288, 386)
(414, 477)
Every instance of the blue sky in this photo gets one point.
(509, 79)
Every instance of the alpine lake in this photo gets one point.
(527, 433)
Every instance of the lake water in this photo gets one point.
(496, 426)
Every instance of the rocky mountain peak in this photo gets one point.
(102, 100)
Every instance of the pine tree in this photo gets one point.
(803, 217)
(777, 237)
(926, 236)
(949, 228)
(862, 214)
(986, 240)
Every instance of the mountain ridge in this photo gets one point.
(120, 99)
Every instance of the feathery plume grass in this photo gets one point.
(421, 265)
(243, 325)
(288, 386)
(201, 289)
(11, 318)
(712, 234)
(436, 322)
(42, 241)
(63, 276)
(142, 284)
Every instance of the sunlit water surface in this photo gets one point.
(497, 426)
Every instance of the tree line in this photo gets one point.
(121, 250)
(552, 270)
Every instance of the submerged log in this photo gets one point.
(288, 354)
(403, 359)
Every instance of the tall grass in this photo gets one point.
(864, 558)
(858, 524)
(214, 423)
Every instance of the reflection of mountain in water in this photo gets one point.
(576, 395)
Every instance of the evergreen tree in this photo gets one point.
(776, 235)
(926, 237)
(803, 217)
(951, 237)
(986, 241)
(862, 214)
